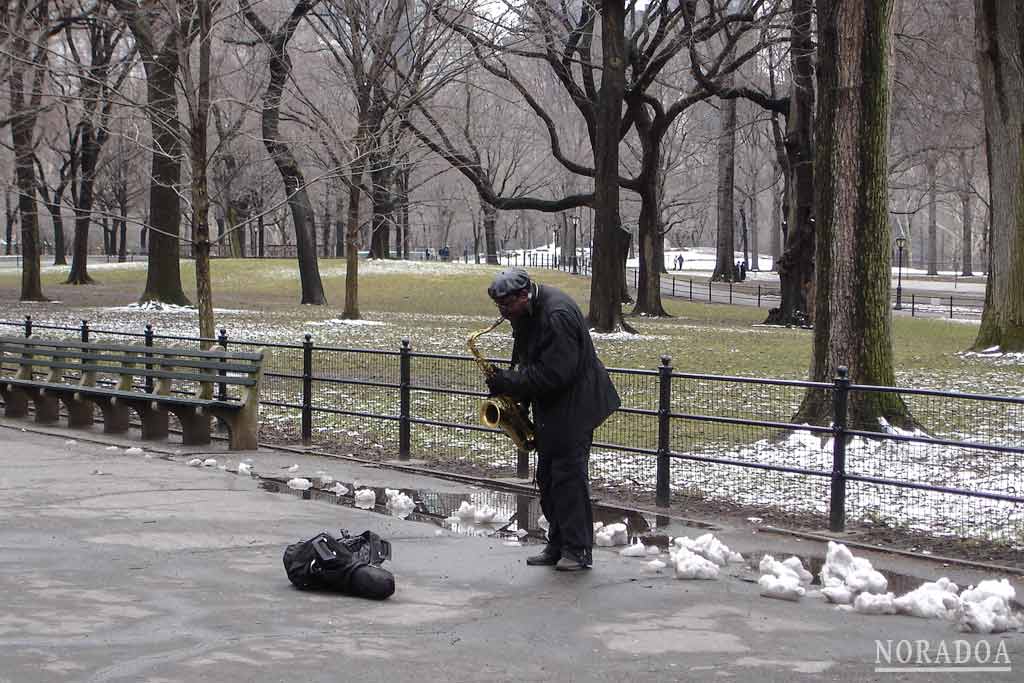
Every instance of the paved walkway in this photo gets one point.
(118, 567)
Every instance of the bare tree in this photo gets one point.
(159, 34)
(852, 324)
(26, 28)
(1000, 44)
(291, 174)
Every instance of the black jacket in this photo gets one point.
(556, 369)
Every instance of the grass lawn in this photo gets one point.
(437, 305)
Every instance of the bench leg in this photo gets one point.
(47, 408)
(15, 402)
(116, 417)
(195, 427)
(244, 428)
(80, 413)
(154, 422)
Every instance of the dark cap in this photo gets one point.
(508, 281)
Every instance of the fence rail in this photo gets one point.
(953, 468)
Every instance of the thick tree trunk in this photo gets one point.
(163, 275)
(796, 264)
(23, 124)
(610, 240)
(1000, 46)
(852, 327)
(294, 181)
(725, 246)
(22, 128)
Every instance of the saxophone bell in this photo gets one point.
(502, 412)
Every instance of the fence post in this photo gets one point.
(664, 431)
(222, 389)
(730, 292)
(673, 285)
(912, 306)
(147, 335)
(837, 502)
(759, 296)
(85, 331)
(404, 402)
(950, 306)
(28, 326)
(709, 291)
(307, 389)
(691, 289)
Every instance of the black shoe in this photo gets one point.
(548, 557)
(571, 563)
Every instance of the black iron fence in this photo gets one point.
(954, 468)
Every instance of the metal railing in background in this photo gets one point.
(954, 467)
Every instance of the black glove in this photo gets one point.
(499, 384)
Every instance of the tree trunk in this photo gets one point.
(967, 238)
(294, 181)
(53, 205)
(610, 240)
(23, 123)
(796, 264)
(163, 275)
(1000, 45)
(725, 248)
(490, 220)
(22, 128)
(351, 311)
(339, 224)
(776, 241)
(200, 189)
(755, 260)
(852, 326)
(122, 254)
(933, 223)
(380, 177)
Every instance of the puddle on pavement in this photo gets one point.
(514, 511)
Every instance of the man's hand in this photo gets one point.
(498, 384)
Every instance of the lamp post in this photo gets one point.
(575, 227)
(901, 242)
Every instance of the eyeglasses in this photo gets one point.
(506, 300)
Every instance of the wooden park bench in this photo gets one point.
(152, 381)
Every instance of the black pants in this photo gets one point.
(564, 480)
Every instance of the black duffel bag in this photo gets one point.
(345, 564)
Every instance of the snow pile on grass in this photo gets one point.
(331, 322)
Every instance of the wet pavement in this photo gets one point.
(119, 566)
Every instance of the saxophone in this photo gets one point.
(502, 412)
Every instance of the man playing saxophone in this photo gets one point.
(555, 369)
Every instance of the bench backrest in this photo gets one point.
(167, 369)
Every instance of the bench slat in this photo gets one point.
(129, 395)
(179, 362)
(140, 372)
(155, 350)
